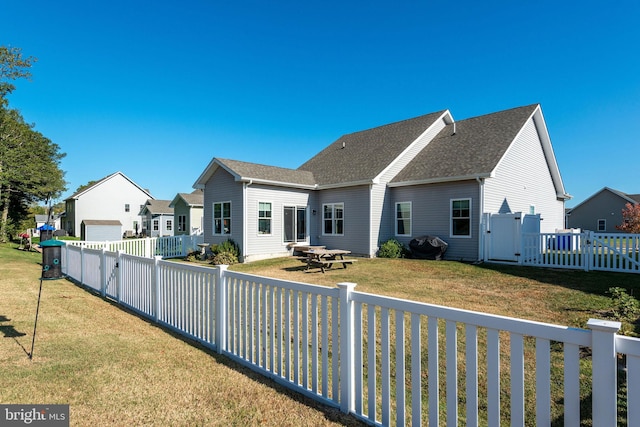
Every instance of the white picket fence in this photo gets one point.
(384, 360)
(168, 247)
(587, 251)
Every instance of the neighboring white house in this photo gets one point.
(43, 219)
(188, 209)
(114, 198)
(157, 218)
(100, 230)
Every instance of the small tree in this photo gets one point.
(630, 218)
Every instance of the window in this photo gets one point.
(602, 225)
(182, 223)
(333, 217)
(127, 207)
(155, 225)
(403, 219)
(264, 218)
(532, 210)
(295, 223)
(169, 225)
(461, 218)
(222, 218)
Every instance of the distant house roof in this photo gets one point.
(101, 222)
(361, 156)
(626, 198)
(193, 199)
(101, 181)
(157, 207)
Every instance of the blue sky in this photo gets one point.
(156, 89)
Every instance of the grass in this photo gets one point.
(114, 368)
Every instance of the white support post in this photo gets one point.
(155, 287)
(347, 351)
(221, 309)
(118, 274)
(103, 273)
(604, 360)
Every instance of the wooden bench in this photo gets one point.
(328, 263)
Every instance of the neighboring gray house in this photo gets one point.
(430, 175)
(100, 230)
(188, 210)
(157, 218)
(602, 211)
(115, 197)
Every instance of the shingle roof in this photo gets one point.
(268, 173)
(195, 198)
(362, 156)
(158, 206)
(101, 222)
(475, 149)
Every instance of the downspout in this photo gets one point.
(244, 219)
(481, 231)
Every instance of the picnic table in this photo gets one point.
(325, 258)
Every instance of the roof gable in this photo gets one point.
(78, 194)
(625, 198)
(361, 156)
(157, 207)
(467, 148)
(257, 173)
(194, 199)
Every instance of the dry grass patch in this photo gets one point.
(114, 368)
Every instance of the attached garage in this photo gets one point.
(100, 230)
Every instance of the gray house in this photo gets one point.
(601, 212)
(430, 175)
(188, 209)
(157, 218)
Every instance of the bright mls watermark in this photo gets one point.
(34, 415)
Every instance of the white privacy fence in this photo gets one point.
(385, 360)
(586, 251)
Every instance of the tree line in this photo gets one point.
(29, 161)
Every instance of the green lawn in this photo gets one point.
(114, 368)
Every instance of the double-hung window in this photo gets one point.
(333, 218)
(169, 225)
(461, 218)
(264, 218)
(156, 225)
(222, 218)
(295, 223)
(403, 219)
(602, 225)
(182, 223)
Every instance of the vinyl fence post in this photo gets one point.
(103, 273)
(221, 309)
(118, 274)
(605, 372)
(155, 287)
(347, 352)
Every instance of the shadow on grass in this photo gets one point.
(594, 282)
(332, 414)
(9, 331)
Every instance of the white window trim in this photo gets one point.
(213, 218)
(306, 223)
(458, 236)
(598, 224)
(333, 219)
(270, 219)
(410, 233)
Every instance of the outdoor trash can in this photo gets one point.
(52, 259)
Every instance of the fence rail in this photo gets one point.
(384, 360)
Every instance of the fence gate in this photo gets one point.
(505, 233)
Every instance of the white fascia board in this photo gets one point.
(446, 117)
(441, 180)
(275, 183)
(346, 184)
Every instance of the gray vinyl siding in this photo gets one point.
(522, 179)
(356, 219)
(431, 215)
(180, 208)
(222, 187)
(603, 205)
(266, 246)
(382, 210)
